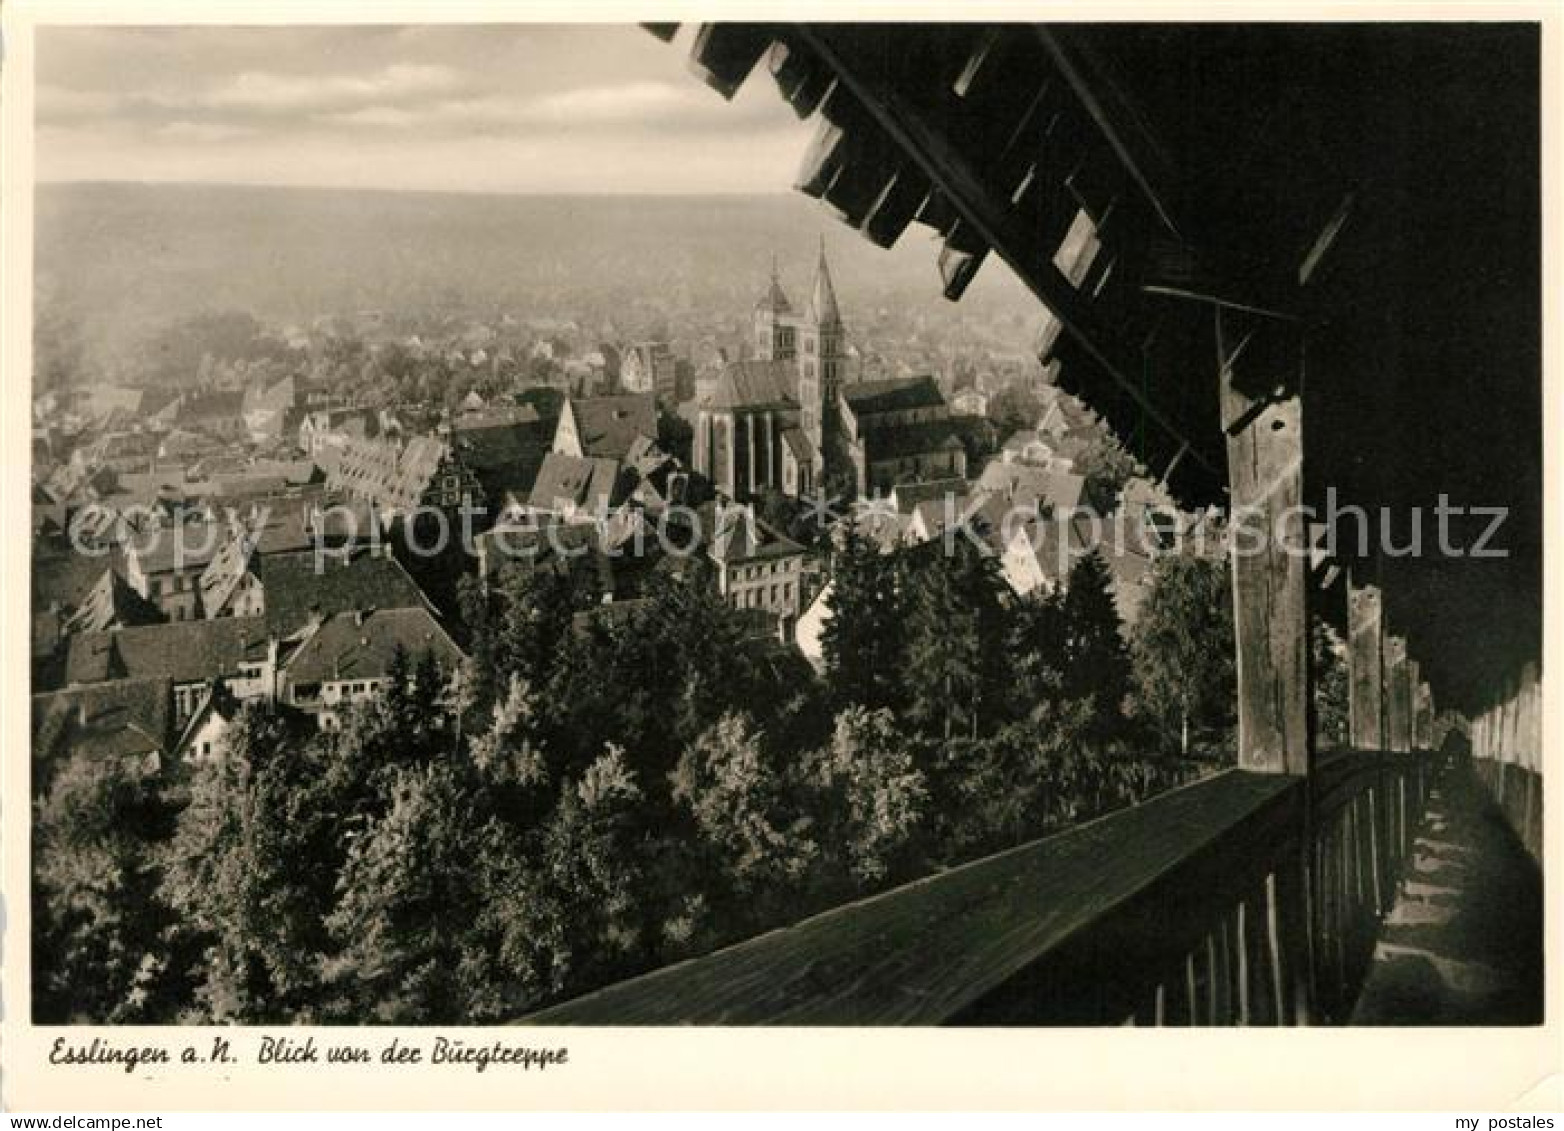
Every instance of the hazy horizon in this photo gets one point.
(119, 259)
(605, 109)
(308, 186)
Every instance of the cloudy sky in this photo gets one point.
(509, 108)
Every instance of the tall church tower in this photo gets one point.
(822, 356)
(775, 322)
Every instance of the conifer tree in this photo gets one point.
(1183, 648)
(1096, 660)
(863, 638)
(956, 633)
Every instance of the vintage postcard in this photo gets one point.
(984, 557)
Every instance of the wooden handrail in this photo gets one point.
(1240, 898)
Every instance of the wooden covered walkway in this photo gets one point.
(1281, 200)
(1463, 944)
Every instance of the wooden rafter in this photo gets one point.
(984, 216)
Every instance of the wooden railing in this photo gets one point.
(1244, 898)
(1507, 756)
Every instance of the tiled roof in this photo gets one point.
(183, 652)
(607, 426)
(756, 385)
(737, 535)
(909, 495)
(282, 394)
(645, 456)
(210, 406)
(185, 547)
(248, 485)
(892, 394)
(1055, 543)
(125, 719)
(774, 299)
(361, 646)
(167, 478)
(803, 451)
(648, 354)
(498, 416)
(291, 521)
(112, 603)
(1024, 485)
(295, 592)
(394, 476)
(225, 571)
(901, 440)
(566, 480)
(47, 631)
(352, 421)
(121, 445)
(179, 442)
(505, 456)
(297, 472)
(67, 577)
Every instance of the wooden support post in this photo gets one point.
(1398, 706)
(1531, 728)
(732, 430)
(1423, 701)
(1365, 664)
(749, 459)
(1414, 676)
(1270, 561)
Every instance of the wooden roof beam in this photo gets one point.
(958, 182)
(1142, 156)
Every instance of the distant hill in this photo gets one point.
(122, 259)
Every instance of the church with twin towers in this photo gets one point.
(793, 417)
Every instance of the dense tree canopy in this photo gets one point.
(592, 795)
(1184, 675)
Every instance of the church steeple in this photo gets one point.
(823, 311)
(775, 322)
(822, 364)
(774, 300)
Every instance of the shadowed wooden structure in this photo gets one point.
(1272, 271)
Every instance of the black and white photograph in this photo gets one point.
(878, 524)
